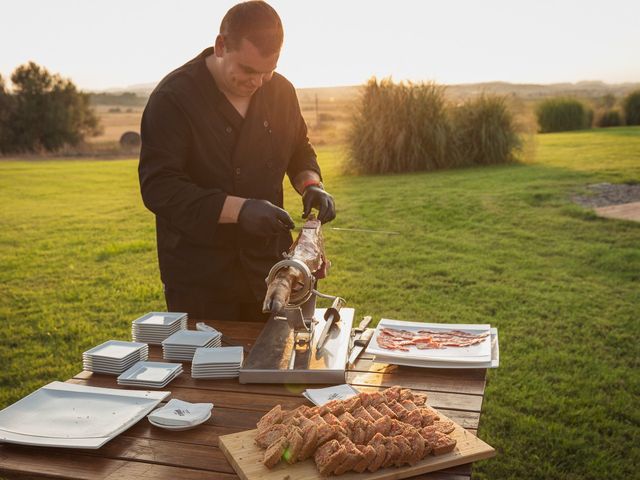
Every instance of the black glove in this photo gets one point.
(314, 196)
(263, 218)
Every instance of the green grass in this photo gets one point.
(500, 244)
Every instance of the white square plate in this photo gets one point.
(219, 355)
(155, 372)
(493, 363)
(159, 318)
(480, 353)
(74, 416)
(192, 338)
(115, 349)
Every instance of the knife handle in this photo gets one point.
(364, 323)
(364, 339)
(334, 309)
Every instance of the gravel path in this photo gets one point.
(605, 194)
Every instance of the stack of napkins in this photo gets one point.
(320, 396)
(179, 415)
(222, 362)
(114, 357)
(182, 345)
(414, 344)
(154, 327)
(150, 374)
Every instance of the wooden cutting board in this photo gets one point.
(246, 458)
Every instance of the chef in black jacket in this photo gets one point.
(218, 135)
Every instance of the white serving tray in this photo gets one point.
(493, 363)
(74, 416)
(480, 353)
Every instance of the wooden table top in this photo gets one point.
(148, 452)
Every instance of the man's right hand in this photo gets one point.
(263, 218)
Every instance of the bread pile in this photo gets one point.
(370, 431)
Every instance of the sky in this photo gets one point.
(117, 43)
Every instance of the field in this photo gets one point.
(501, 245)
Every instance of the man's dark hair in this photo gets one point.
(256, 21)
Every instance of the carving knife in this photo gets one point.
(360, 343)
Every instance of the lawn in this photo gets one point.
(501, 245)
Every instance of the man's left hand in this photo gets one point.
(314, 196)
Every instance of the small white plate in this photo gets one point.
(191, 338)
(153, 372)
(115, 349)
(177, 428)
(219, 355)
(160, 318)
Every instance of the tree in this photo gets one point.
(6, 109)
(48, 112)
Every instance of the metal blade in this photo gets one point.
(355, 352)
(360, 344)
(325, 331)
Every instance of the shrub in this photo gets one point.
(610, 118)
(400, 128)
(631, 107)
(563, 114)
(485, 132)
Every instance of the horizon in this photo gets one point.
(139, 86)
(329, 44)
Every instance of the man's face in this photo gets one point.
(244, 69)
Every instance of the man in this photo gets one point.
(218, 136)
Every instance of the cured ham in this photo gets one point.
(401, 340)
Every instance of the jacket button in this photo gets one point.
(266, 124)
(229, 129)
(238, 172)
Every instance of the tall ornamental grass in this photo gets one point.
(609, 118)
(484, 132)
(631, 107)
(399, 128)
(563, 114)
(407, 127)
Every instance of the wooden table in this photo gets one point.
(145, 452)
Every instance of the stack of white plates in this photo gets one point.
(150, 374)
(114, 356)
(154, 327)
(182, 345)
(223, 362)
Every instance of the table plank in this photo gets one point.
(229, 393)
(18, 461)
(421, 380)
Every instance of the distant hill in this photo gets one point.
(588, 89)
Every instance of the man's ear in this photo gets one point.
(219, 46)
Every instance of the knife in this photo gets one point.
(359, 329)
(360, 344)
(364, 323)
(331, 316)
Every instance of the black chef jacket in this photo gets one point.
(196, 150)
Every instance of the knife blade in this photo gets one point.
(360, 344)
